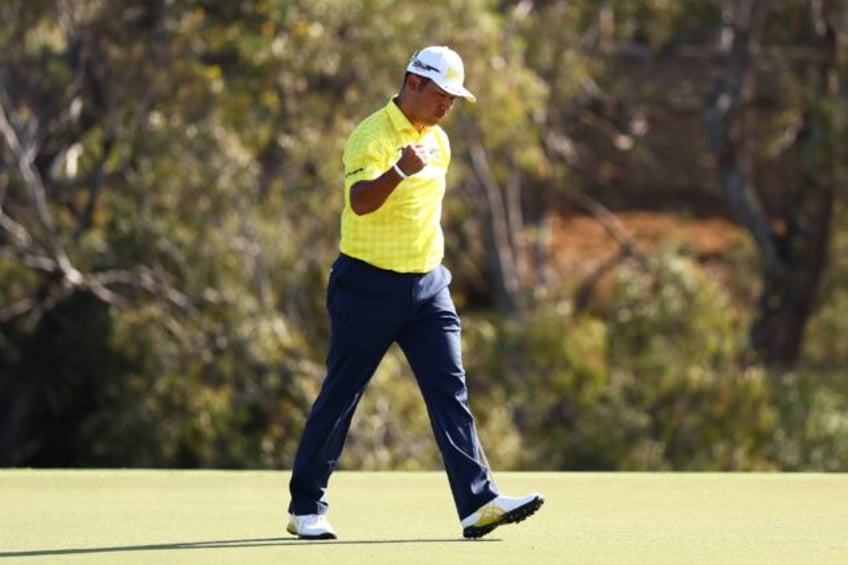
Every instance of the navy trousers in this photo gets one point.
(370, 309)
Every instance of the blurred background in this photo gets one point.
(646, 221)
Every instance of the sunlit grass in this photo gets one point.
(177, 517)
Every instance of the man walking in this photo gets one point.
(388, 286)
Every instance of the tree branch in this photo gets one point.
(497, 218)
(723, 116)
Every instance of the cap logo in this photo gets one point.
(453, 74)
(424, 67)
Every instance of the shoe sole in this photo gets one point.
(512, 517)
(324, 536)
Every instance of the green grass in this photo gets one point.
(194, 517)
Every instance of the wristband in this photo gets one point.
(399, 171)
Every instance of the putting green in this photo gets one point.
(194, 517)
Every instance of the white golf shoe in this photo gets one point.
(310, 526)
(501, 510)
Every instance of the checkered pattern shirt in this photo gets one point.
(405, 233)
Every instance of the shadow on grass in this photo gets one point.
(223, 544)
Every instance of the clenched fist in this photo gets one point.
(414, 157)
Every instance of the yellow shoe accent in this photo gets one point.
(489, 514)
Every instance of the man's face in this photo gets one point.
(431, 102)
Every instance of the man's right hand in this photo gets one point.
(413, 158)
(368, 196)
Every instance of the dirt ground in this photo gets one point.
(580, 243)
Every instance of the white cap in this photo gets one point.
(443, 66)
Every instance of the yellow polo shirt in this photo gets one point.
(405, 233)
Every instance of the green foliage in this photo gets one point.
(656, 386)
(190, 411)
(675, 342)
(812, 434)
(824, 343)
(191, 154)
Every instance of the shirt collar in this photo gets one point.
(401, 122)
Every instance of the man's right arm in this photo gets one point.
(369, 195)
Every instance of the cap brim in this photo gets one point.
(460, 91)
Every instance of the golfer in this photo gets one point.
(388, 286)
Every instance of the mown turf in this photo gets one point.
(194, 517)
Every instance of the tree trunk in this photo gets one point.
(791, 286)
(794, 258)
